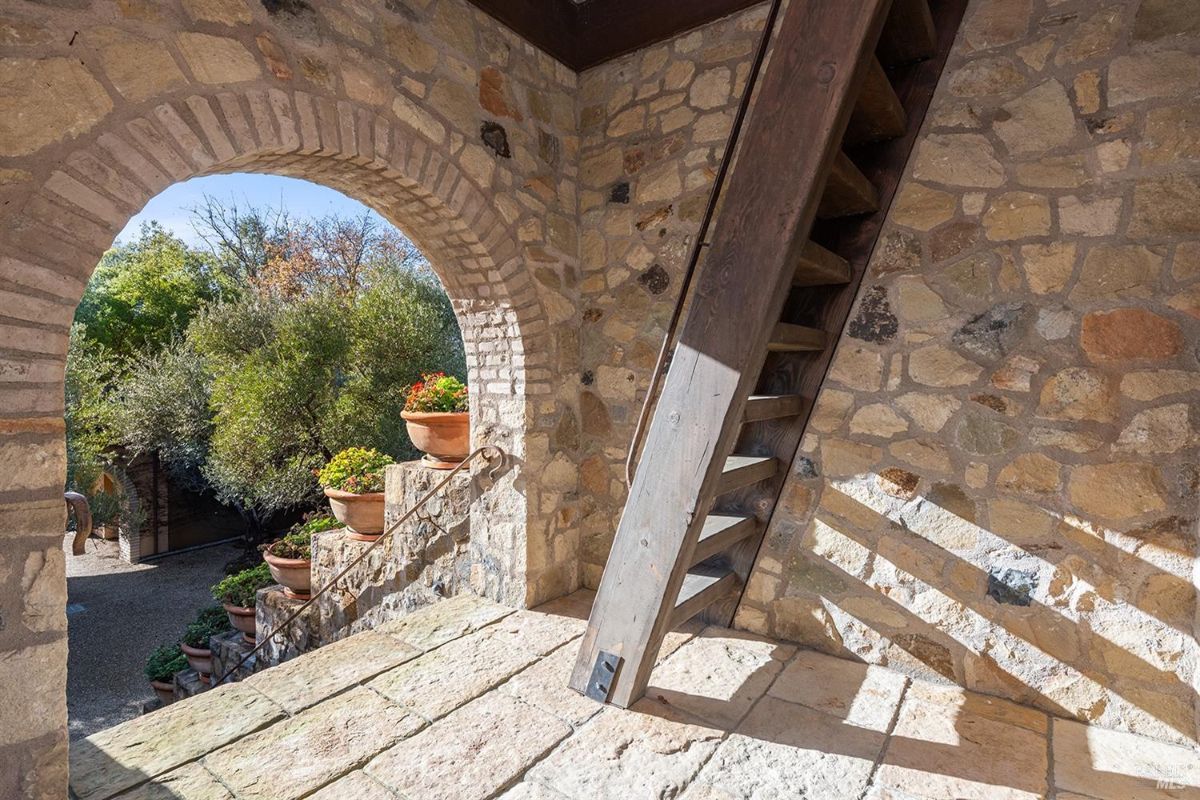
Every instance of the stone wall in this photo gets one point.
(653, 127)
(446, 123)
(999, 485)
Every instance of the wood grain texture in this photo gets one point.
(848, 192)
(806, 95)
(816, 266)
(878, 115)
(909, 35)
(827, 308)
(582, 35)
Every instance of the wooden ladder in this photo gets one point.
(835, 118)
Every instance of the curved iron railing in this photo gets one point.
(490, 453)
(701, 239)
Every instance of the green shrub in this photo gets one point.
(298, 541)
(164, 662)
(437, 392)
(356, 470)
(210, 622)
(240, 588)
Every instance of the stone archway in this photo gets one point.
(120, 122)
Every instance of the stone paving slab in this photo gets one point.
(437, 624)
(729, 715)
(544, 686)
(948, 742)
(718, 675)
(189, 782)
(651, 750)
(442, 680)
(531, 791)
(1110, 765)
(298, 684)
(355, 786)
(861, 694)
(122, 757)
(784, 750)
(296, 756)
(473, 753)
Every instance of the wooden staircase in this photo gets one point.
(835, 118)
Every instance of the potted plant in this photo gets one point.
(353, 482)
(290, 558)
(237, 594)
(437, 418)
(160, 670)
(208, 623)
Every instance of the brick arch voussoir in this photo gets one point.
(51, 245)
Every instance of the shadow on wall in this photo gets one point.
(897, 562)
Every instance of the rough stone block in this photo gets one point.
(296, 756)
(307, 680)
(120, 758)
(472, 754)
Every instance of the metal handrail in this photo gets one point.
(490, 452)
(701, 237)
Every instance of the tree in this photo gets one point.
(144, 293)
(92, 370)
(277, 255)
(296, 381)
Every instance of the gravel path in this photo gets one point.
(116, 614)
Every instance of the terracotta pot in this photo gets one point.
(243, 620)
(199, 659)
(165, 691)
(294, 573)
(361, 513)
(444, 438)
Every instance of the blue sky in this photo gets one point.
(301, 198)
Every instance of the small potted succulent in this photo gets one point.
(353, 482)
(290, 558)
(436, 416)
(209, 622)
(237, 594)
(160, 670)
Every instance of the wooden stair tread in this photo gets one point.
(909, 34)
(702, 586)
(722, 531)
(742, 471)
(847, 192)
(772, 406)
(820, 267)
(787, 338)
(878, 114)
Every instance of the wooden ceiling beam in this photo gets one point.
(582, 35)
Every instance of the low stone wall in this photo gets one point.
(427, 558)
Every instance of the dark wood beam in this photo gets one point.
(582, 35)
(606, 29)
(805, 97)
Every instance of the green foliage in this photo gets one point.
(356, 470)
(437, 392)
(246, 368)
(163, 408)
(241, 588)
(297, 543)
(164, 662)
(211, 621)
(143, 293)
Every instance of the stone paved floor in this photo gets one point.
(467, 700)
(117, 614)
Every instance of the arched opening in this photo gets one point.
(242, 330)
(52, 241)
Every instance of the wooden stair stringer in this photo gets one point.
(802, 374)
(808, 90)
